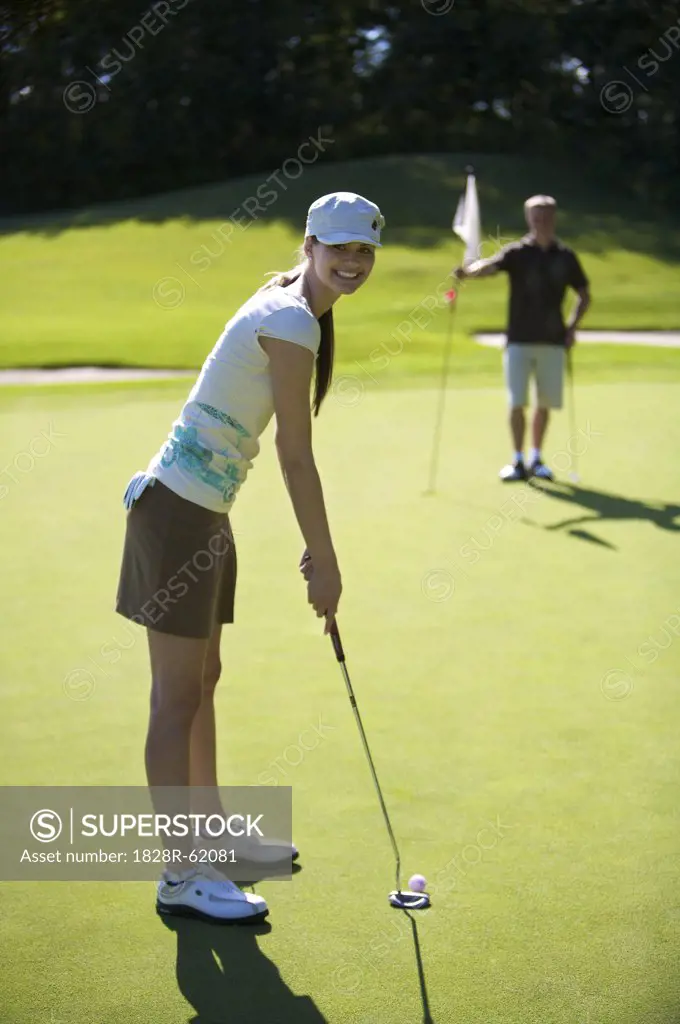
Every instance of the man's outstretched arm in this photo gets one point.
(480, 268)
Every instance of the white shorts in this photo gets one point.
(545, 362)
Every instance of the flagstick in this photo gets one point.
(442, 398)
(466, 225)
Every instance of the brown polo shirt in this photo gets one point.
(538, 280)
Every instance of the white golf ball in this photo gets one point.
(417, 883)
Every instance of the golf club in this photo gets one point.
(400, 898)
(573, 476)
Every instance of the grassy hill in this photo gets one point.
(153, 282)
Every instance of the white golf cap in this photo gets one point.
(345, 217)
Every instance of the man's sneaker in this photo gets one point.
(206, 893)
(540, 470)
(513, 471)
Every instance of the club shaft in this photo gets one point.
(572, 407)
(386, 816)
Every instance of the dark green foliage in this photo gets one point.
(116, 99)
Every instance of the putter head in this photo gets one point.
(404, 899)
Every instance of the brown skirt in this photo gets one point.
(178, 573)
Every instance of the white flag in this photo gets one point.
(466, 223)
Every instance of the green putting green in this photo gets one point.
(515, 656)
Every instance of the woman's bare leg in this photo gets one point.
(203, 746)
(177, 679)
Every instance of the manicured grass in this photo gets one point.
(534, 788)
(153, 282)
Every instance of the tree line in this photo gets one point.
(115, 99)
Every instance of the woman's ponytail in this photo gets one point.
(324, 360)
(323, 368)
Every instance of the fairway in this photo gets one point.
(152, 282)
(515, 655)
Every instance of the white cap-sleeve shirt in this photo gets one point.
(213, 442)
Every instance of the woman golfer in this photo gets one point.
(178, 573)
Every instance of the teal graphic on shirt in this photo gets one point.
(184, 449)
(225, 418)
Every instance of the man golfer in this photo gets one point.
(540, 268)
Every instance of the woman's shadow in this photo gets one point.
(227, 979)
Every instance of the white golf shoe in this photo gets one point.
(539, 469)
(255, 850)
(207, 894)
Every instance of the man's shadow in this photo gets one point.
(600, 506)
(227, 979)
